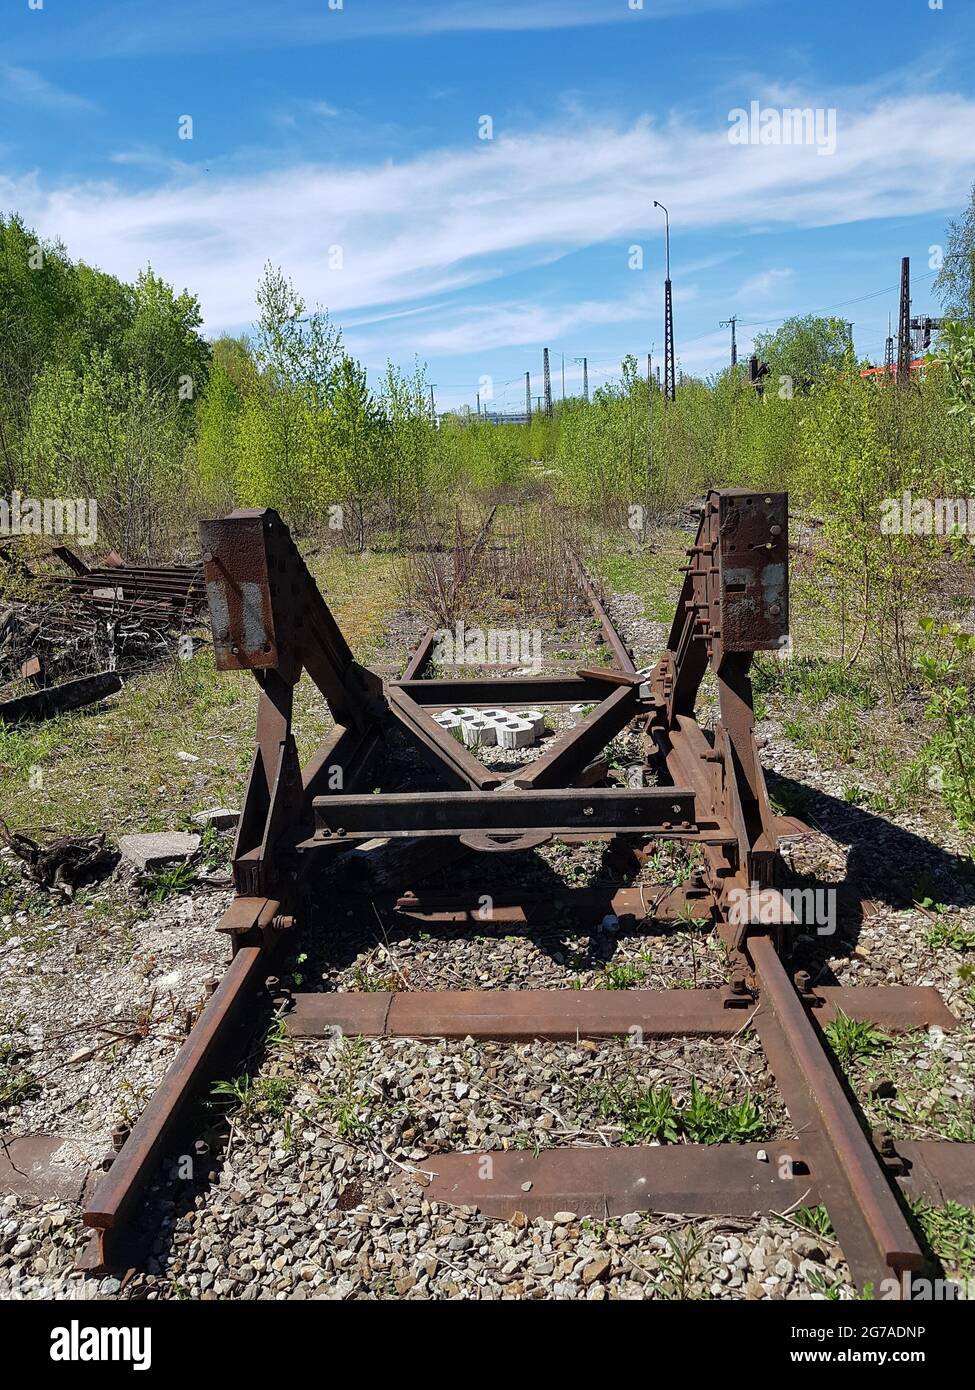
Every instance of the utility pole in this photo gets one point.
(528, 396)
(904, 325)
(433, 408)
(648, 371)
(730, 323)
(585, 377)
(479, 405)
(889, 350)
(670, 381)
(547, 382)
(563, 375)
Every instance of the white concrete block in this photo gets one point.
(535, 718)
(477, 731)
(517, 733)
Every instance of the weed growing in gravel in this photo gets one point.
(652, 1115)
(834, 1290)
(375, 984)
(950, 1232)
(952, 935)
(687, 920)
(165, 883)
(966, 978)
(815, 1219)
(620, 976)
(215, 848)
(677, 1263)
(16, 1083)
(247, 1097)
(853, 1039)
(348, 1100)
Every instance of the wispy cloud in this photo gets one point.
(25, 87)
(143, 26)
(449, 220)
(757, 286)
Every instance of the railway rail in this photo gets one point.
(269, 618)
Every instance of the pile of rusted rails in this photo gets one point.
(115, 618)
(158, 593)
(268, 617)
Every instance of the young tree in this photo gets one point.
(955, 285)
(803, 349)
(350, 442)
(296, 355)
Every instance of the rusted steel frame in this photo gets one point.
(608, 675)
(421, 656)
(734, 602)
(510, 691)
(517, 907)
(273, 796)
(572, 750)
(519, 1015)
(665, 811)
(615, 641)
(228, 1008)
(692, 1179)
(268, 617)
(266, 613)
(871, 1227)
(734, 599)
(442, 751)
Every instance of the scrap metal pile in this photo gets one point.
(708, 790)
(68, 639)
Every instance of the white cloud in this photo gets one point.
(449, 220)
(144, 26)
(756, 286)
(25, 87)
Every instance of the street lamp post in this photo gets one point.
(670, 370)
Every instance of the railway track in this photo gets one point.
(709, 790)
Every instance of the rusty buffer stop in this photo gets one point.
(709, 790)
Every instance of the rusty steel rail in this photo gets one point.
(618, 647)
(866, 1214)
(268, 617)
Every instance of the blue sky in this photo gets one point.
(358, 127)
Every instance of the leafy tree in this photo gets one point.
(350, 438)
(105, 434)
(803, 349)
(296, 354)
(161, 344)
(955, 285)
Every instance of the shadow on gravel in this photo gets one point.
(886, 865)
